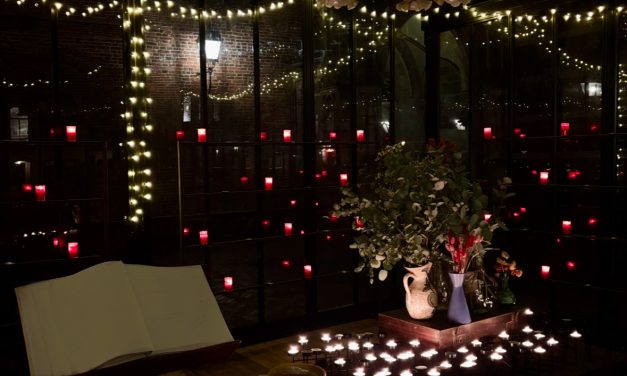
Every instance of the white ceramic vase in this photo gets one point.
(419, 298)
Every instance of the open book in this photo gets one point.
(113, 313)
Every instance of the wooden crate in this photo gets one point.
(441, 333)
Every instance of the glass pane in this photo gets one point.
(580, 75)
(410, 83)
(532, 161)
(490, 76)
(533, 77)
(622, 73)
(454, 89)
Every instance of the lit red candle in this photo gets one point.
(544, 177)
(265, 224)
(287, 229)
(324, 173)
(72, 249)
(570, 265)
(228, 284)
(180, 135)
(572, 175)
(592, 221)
(318, 176)
(203, 235)
(594, 127)
(287, 135)
(517, 131)
(244, 180)
(263, 136)
(360, 135)
(328, 237)
(27, 188)
(566, 227)
(186, 231)
(55, 242)
(307, 271)
(293, 203)
(70, 133)
(268, 183)
(487, 133)
(333, 218)
(359, 223)
(487, 216)
(332, 136)
(285, 263)
(344, 179)
(40, 192)
(564, 128)
(523, 210)
(202, 135)
(545, 270)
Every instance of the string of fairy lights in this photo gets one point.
(137, 118)
(41, 82)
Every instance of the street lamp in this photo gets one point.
(213, 42)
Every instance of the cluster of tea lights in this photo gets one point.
(360, 355)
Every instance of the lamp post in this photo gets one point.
(213, 42)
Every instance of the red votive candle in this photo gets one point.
(72, 249)
(570, 265)
(318, 176)
(265, 224)
(592, 221)
(333, 218)
(544, 177)
(523, 210)
(566, 227)
(594, 127)
(564, 128)
(263, 136)
(285, 263)
(180, 135)
(545, 270)
(40, 192)
(324, 173)
(244, 180)
(287, 135)
(202, 135)
(332, 136)
(343, 180)
(204, 237)
(293, 203)
(186, 231)
(517, 131)
(359, 223)
(228, 284)
(268, 183)
(360, 135)
(572, 175)
(70, 133)
(307, 271)
(487, 133)
(287, 229)
(27, 188)
(55, 242)
(487, 216)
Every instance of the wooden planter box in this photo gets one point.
(441, 333)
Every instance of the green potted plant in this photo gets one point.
(408, 208)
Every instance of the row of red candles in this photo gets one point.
(564, 131)
(360, 135)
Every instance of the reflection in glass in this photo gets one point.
(454, 86)
(580, 75)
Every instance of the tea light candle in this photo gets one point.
(406, 373)
(564, 128)
(360, 372)
(344, 180)
(476, 343)
(527, 343)
(462, 350)
(202, 135)
(545, 270)
(570, 265)
(544, 177)
(391, 344)
(487, 133)
(500, 350)
(340, 362)
(287, 229)
(367, 345)
(468, 364)
(539, 350)
(539, 336)
(70, 133)
(360, 135)
(433, 372)
(405, 355)
(244, 180)
(285, 263)
(528, 312)
(303, 340)
(414, 343)
(487, 216)
(332, 136)
(575, 334)
(353, 346)
(326, 337)
(552, 341)
(40, 192)
(72, 249)
(307, 271)
(293, 350)
(446, 365)
(27, 188)
(228, 284)
(55, 242)
(429, 353)
(527, 329)
(186, 231)
(293, 203)
(496, 356)
(592, 221)
(287, 135)
(471, 357)
(566, 227)
(204, 237)
(268, 183)
(180, 135)
(371, 357)
(503, 335)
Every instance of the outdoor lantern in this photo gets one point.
(213, 42)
